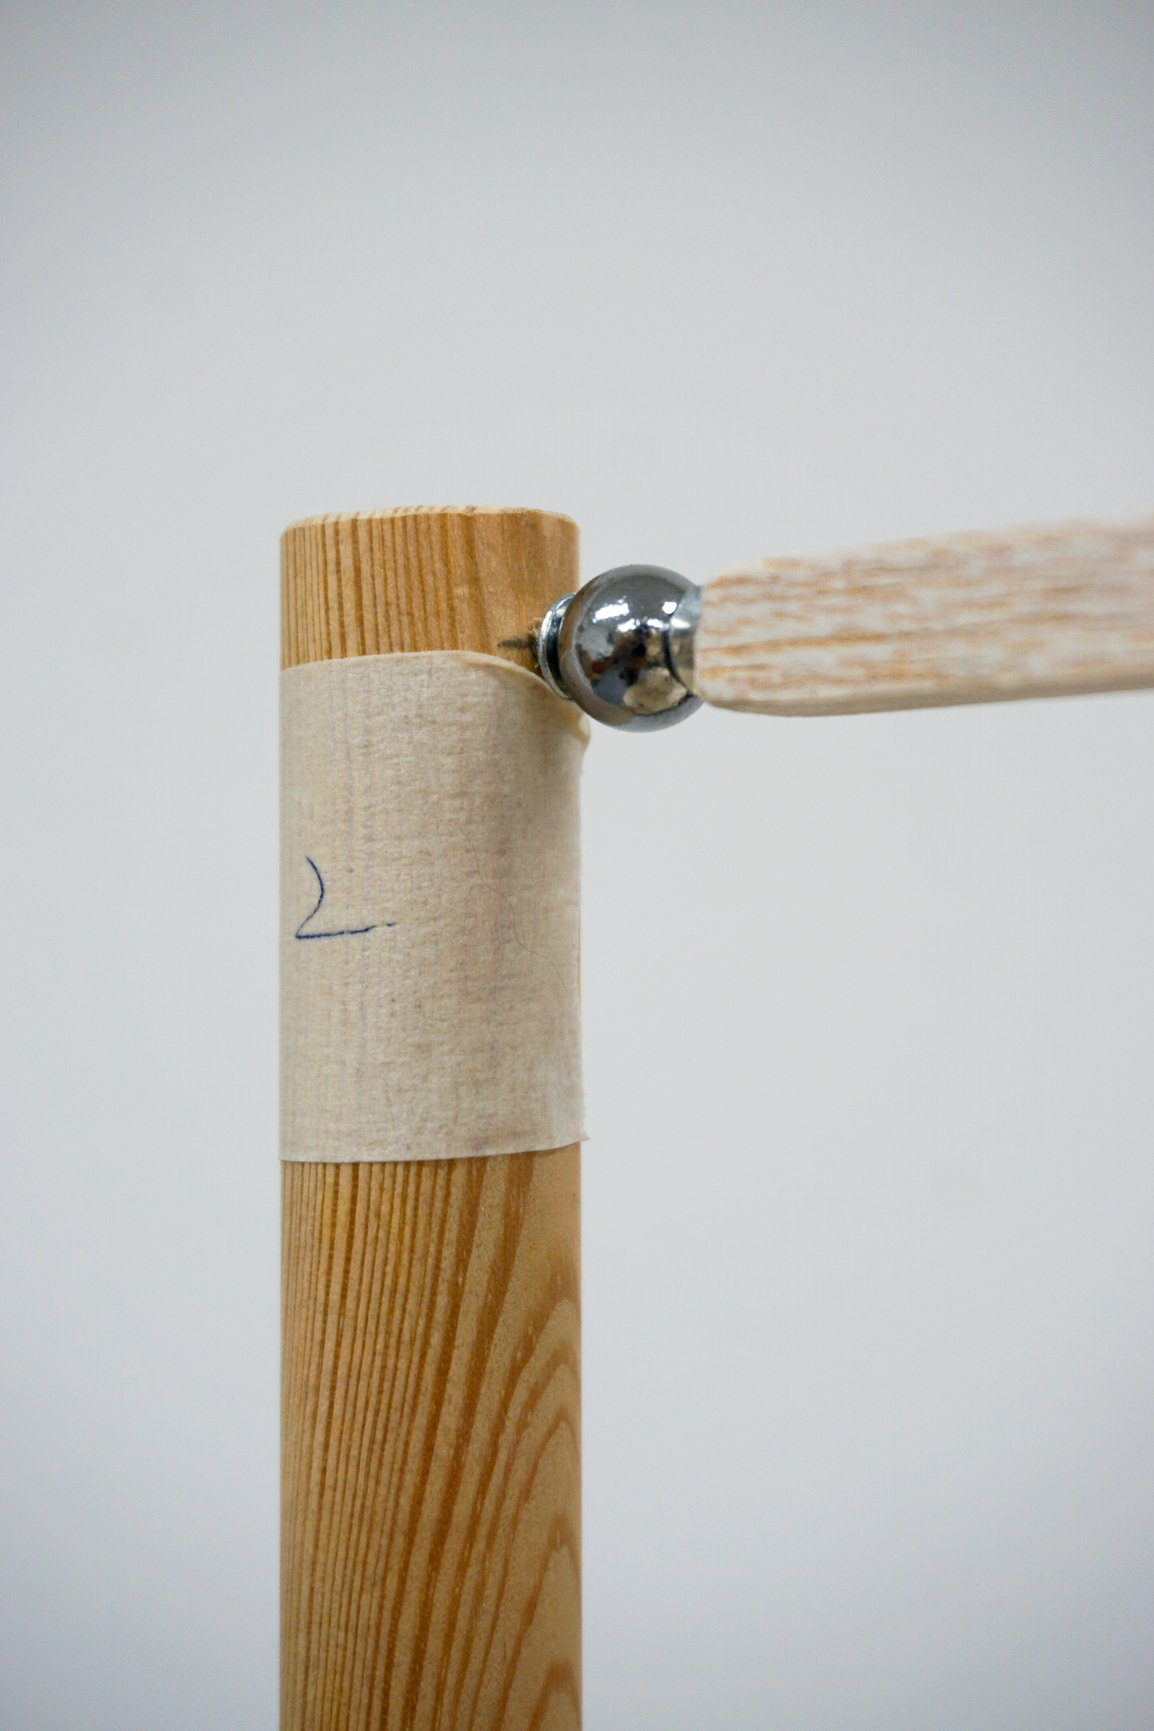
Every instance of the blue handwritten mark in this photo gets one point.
(348, 932)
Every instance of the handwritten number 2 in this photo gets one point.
(346, 932)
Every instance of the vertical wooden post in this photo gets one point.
(430, 1412)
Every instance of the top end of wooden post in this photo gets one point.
(422, 578)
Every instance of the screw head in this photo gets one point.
(610, 647)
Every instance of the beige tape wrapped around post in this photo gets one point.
(430, 897)
(430, 1391)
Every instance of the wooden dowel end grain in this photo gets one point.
(430, 1392)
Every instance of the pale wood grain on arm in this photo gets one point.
(961, 619)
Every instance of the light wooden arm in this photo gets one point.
(963, 619)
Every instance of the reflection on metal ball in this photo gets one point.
(622, 647)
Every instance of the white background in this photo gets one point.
(869, 1002)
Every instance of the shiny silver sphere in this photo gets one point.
(620, 647)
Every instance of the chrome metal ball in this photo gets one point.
(621, 647)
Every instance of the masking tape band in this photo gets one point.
(429, 910)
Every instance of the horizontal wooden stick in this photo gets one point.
(962, 619)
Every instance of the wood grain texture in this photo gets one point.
(430, 1391)
(1038, 612)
